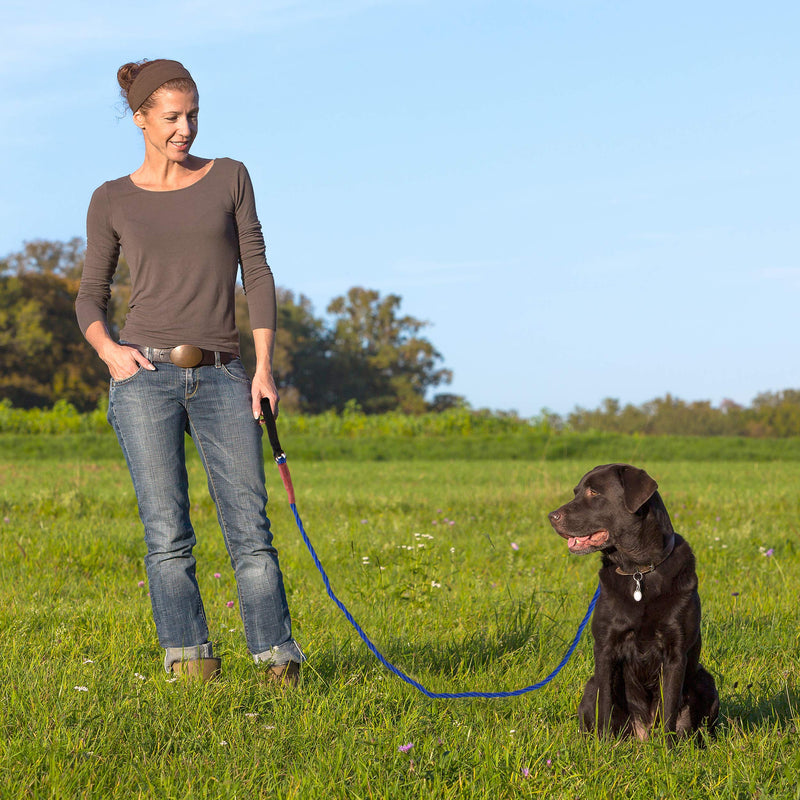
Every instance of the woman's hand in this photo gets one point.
(263, 382)
(122, 361)
(264, 388)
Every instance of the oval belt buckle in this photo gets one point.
(186, 356)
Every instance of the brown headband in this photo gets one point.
(151, 76)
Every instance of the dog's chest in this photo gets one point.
(633, 631)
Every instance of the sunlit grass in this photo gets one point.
(452, 569)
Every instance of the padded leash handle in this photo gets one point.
(277, 450)
(272, 431)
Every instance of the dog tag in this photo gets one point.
(637, 592)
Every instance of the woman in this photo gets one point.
(185, 224)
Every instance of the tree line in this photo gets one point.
(365, 351)
(771, 414)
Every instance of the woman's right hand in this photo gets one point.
(123, 361)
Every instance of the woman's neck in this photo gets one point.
(158, 174)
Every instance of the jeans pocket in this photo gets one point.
(123, 381)
(235, 371)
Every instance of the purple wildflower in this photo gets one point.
(770, 552)
(230, 604)
(526, 773)
(140, 584)
(404, 748)
(217, 575)
(514, 546)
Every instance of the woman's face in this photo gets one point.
(170, 125)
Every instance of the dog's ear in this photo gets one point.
(638, 487)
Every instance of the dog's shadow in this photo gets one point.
(749, 709)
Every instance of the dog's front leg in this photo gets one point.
(603, 677)
(673, 672)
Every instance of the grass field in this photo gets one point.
(450, 566)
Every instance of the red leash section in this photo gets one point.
(277, 450)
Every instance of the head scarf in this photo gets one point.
(151, 77)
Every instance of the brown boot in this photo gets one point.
(286, 675)
(202, 669)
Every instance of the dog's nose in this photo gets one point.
(554, 516)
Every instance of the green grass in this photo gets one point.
(520, 445)
(73, 615)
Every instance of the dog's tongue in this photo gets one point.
(577, 544)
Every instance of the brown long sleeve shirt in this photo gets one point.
(183, 248)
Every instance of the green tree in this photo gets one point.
(45, 257)
(368, 353)
(380, 359)
(43, 356)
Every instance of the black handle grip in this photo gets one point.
(272, 430)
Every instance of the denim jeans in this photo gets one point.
(150, 412)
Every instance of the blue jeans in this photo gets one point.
(150, 412)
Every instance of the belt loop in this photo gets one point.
(217, 361)
(148, 353)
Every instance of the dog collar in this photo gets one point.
(640, 571)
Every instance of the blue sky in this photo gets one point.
(584, 199)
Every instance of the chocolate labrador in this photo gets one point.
(646, 624)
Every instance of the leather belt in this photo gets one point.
(184, 355)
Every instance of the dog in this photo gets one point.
(646, 624)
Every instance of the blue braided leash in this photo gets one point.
(280, 460)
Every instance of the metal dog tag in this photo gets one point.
(637, 592)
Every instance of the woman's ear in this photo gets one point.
(138, 118)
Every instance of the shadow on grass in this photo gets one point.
(781, 708)
(526, 637)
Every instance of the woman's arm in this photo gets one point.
(263, 380)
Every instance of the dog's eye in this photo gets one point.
(591, 492)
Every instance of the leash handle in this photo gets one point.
(272, 431)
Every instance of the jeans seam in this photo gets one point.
(226, 371)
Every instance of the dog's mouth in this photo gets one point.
(584, 544)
